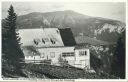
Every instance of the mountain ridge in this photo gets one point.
(78, 23)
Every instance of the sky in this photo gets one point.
(111, 10)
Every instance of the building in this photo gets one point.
(53, 44)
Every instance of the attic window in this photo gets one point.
(43, 41)
(36, 42)
(53, 42)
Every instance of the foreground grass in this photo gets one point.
(57, 72)
(43, 71)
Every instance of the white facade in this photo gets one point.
(76, 57)
(30, 56)
(55, 53)
(82, 58)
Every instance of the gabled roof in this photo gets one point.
(45, 37)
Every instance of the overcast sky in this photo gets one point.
(112, 10)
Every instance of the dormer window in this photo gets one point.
(43, 41)
(53, 42)
(36, 42)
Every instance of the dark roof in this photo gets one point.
(67, 37)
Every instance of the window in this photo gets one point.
(82, 53)
(36, 41)
(43, 41)
(53, 42)
(52, 54)
(68, 54)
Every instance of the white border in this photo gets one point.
(126, 40)
(69, 1)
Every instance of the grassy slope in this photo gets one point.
(56, 72)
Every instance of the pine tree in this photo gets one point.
(118, 64)
(11, 50)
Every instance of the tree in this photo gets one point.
(118, 65)
(12, 53)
